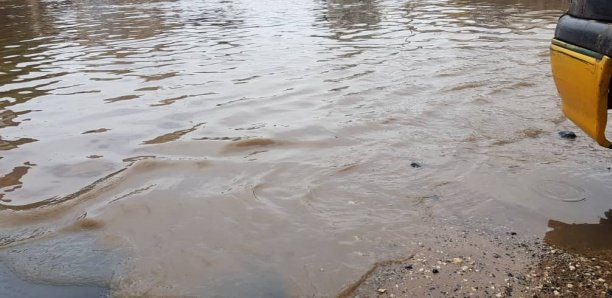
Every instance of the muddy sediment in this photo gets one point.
(485, 264)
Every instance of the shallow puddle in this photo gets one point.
(266, 148)
(591, 239)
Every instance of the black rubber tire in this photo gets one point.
(589, 34)
(610, 96)
(600, 10)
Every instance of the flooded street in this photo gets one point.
(265, 148)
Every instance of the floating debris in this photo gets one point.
(567, 135)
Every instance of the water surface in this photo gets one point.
(278, 148)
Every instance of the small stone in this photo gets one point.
(513, 233)
(567, 134)
(382, 291)
(572, 268)
(556, 293)
(408, 267)
(498, 295)
(465, 268)
(569, 286)
(415, 165)
(457, 261)
(601, 280)
(392, 295)
(435, 271)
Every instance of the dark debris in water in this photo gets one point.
(570, 135)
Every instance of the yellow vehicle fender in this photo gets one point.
(583, 80)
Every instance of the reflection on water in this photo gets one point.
(85, 269)
(13, 179)
(233, 147)
(589, 239)
(350, 19)
(516, 4)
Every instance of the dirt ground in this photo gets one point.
(488, 264)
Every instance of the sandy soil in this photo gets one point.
(486, 264)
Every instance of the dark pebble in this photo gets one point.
(435, 271)
(408, 267)
(513, 233)
(567, 134)
(415, 165)
(508, 291)
(496, 256)
(510, 274)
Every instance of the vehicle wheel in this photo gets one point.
(592, 9)
(610, 96)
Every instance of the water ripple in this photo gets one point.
(312, 104)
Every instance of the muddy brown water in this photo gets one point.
(268, 148)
